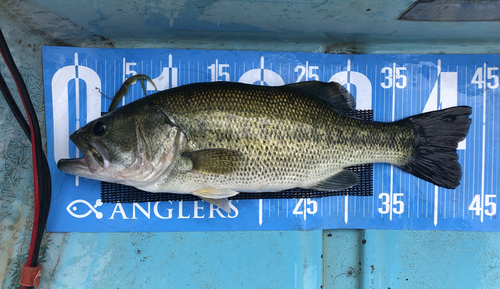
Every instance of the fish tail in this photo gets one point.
(434, 156)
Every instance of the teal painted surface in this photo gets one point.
(236, 259)
(410, 259)
(342, 266)
(322, 21)
(414, 259)
(187, 260)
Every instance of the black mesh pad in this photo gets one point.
(116, 193)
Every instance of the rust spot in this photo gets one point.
(373, 269)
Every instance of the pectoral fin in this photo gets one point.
(214, 161)
(341, 180)
(217, 197)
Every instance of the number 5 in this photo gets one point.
(313, 75)
(399, 203)
(493, 206)
(493, 77)
(401, 77)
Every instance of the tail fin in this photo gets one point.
(438, 133)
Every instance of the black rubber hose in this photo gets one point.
(44, 206)
(43, 172)
(14, 108)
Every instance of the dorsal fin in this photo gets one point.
(332, 92)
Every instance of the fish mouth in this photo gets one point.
(96, 158)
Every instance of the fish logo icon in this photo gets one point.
(73, 207)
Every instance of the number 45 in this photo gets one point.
(479, 80)
(488, 202)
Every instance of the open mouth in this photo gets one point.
(95, 155)
(95, 158)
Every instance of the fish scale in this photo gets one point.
(306, 139)
(215, 140)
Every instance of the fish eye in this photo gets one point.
(99, 128)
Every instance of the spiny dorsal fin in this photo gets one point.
(214, 161)
(332, 92)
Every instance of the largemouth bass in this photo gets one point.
(214, 140)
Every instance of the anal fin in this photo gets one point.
(217, 197)
(221, 203)
(341, 180)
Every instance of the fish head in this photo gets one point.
(127, 146)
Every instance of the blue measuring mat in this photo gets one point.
(393, 86)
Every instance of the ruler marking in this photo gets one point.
(77, 108)
(411, 112)
(346, 201)
(260, 212)
(465, 157)
(338, 209)
(373, 196)
(492, 146)
(393, 118)
(355, 203)
(346, 211)
(321, 214)
(438, 105)
(349, 75)
(105, 81)
(444, 205)
(483, 159)
(473, 158)
(330, 206)
(454, 198)
(436, 198)
(364, 206)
